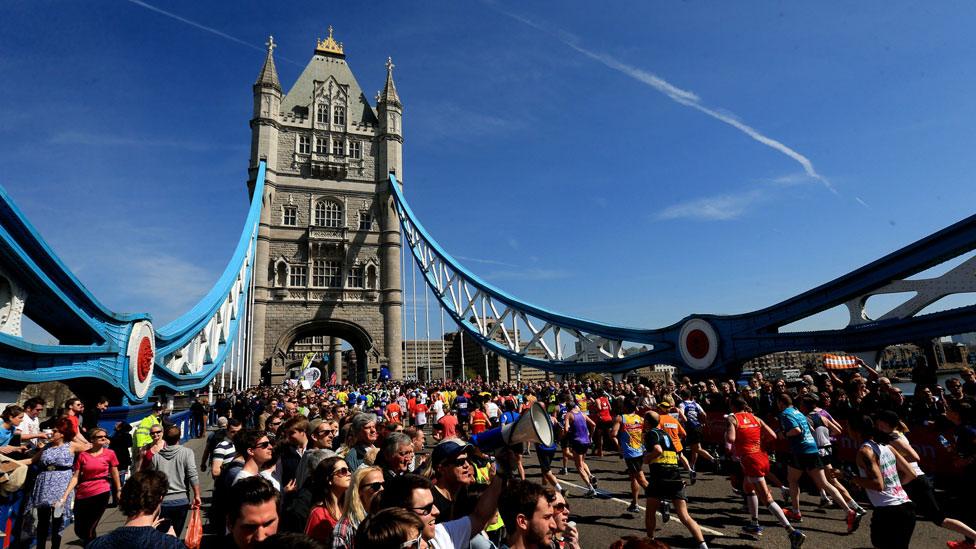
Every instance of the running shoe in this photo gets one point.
(796, 539)
(753, 530)
(564, 471)
(634, 508)
(694, 477)
(860, 511)
(591, 493)
(665, 511)
(792, 515)
(593, 480)
(853, 521)
(826, 502)
(785, 493)
(962, 544)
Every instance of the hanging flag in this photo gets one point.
(332, 379)
(842, 362)
(307, 360)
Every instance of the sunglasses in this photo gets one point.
(425, 510)
(561, 507)
(275, 423)
(374, 486)
(262, 445)
(341, 472)
(155, 432)
(324, 433)
(412, 544)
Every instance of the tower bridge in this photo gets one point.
(321, 255)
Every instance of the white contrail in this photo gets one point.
(684, 97)
(211, 30)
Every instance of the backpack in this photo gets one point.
(221, 491)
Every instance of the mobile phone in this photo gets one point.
(15, 440)
(164, 525)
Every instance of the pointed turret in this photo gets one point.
(267, 106)
(268, 77)
(389, 93)
(390, 112)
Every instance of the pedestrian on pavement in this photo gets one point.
(95, 479)
(179, 465)
(366, 484)
(141, 499)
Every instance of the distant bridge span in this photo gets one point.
(127, 353)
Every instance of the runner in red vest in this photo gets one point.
(744, 434)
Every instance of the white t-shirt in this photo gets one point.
(30, 427)
(438, 410)
(452, 535)
(242, 474)
(492, 410)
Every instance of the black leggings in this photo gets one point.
(88, 511)
(48, 524)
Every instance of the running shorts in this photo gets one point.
(892, 526)
(922, 494)
(635, 464)
(579, 447)
(545, 459)
(666, 488)
(693, 435)
(755, 465)
(806, 462)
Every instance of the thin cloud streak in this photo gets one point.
(205, 28)
(678, 95)
(723, 207)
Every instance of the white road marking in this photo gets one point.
(641, 507)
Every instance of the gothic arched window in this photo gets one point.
(328, 214)
(339, 115)
(322, 113)
(371, 277)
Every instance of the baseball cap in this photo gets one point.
(664, 404)
(448, 449)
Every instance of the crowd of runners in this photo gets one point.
(391, 464)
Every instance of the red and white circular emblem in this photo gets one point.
(141, 352)
(698, 344)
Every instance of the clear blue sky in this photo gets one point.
(631, 163)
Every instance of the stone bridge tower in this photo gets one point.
(328, 250)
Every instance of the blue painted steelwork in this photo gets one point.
(709, 343)
(94, 342)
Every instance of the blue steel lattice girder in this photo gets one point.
(72, 314)
(732, 339)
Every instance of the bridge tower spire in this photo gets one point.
(390, 160)
(265, 129)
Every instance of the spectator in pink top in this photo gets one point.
(96, 472)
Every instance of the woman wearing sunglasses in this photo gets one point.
(393, 528)
(94, 469)
(330, 481)
(149, 450)
(366, 483)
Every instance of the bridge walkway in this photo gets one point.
(113, 518)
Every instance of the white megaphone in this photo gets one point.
(534, 425)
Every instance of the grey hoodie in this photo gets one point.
(179, 465)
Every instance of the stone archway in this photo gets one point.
(354, 334)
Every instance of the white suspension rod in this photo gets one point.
(427, 323)
(416, 353)
(443, 348)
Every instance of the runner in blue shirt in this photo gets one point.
(694, 422)
(806, 458)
